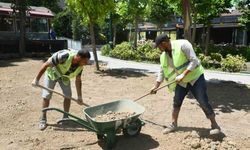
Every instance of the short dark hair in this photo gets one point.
(161, 38)
(83, 53)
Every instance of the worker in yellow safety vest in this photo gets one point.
(61, 67)
(179, 63)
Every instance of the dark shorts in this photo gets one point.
(199, 91)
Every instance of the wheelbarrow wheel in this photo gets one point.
(133, 129)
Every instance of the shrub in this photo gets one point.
(205, 60)
(145, 48)
(105, 50)
(124, 51)
(216, 57)
(153, 55)
(233, 63)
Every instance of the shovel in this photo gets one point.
(51, 90)
(155, 90)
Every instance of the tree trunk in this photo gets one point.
(203, 38)
(136, 31)
(114, 35)
(22, 15)
(187, 19)
(194, 27)
(207, 39)
(92, 34)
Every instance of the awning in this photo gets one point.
(5, 10)
(38, 13)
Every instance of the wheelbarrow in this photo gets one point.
(107, 130)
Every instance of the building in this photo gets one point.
(37, 27)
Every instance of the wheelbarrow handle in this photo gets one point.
(155, 90)
(51, 90)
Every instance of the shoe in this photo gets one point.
(42, 124)
(170, 128)
(215, 130)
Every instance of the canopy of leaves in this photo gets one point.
(160, 12)
(207, 10)
(92, 10)
(245, 8)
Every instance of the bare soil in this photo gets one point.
(21, 107)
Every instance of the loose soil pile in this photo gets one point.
(111, 116)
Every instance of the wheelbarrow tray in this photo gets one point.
(116, 106)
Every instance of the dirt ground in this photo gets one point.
(21, 107)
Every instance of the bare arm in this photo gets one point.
(42, 70)
(78, 83)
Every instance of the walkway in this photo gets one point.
(113, 63)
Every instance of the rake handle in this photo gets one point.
(51, 90)
(155, 90)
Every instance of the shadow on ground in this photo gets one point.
(123, 73)
(140, 142)
(227, 96)
(13, 62)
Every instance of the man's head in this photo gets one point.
(163, 43)
(81, 58)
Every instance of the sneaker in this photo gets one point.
(42, 124)
(215, 130)
(170, 128)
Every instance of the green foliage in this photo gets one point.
(207, 10)
(144, 52)
(124, 51)
(160, 12)
(205, 60)
(93, 11)
(105, 50)
(233, 63)
(62, 23)
(216, 57)
(153, 55)
(244, 6)
(230, 49)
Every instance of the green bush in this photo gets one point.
(153, 55)
(216, 57)
(124, 51)
(105, 50)
(145, 50)
(230, 49)
(233, 63)
(205, 60)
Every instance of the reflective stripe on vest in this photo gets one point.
(180, 63)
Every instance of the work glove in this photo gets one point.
(179, 77)
(35, 82)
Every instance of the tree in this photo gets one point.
(244, 6)
(160, 12)
(134, 11)
(91, 12)
(206, 11)
(19, 8)
(183, 7)
(62, 23)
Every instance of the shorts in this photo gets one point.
(66, 89)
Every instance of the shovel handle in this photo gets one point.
(156, 90)
(51, 90)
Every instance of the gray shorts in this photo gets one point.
(66, 89)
